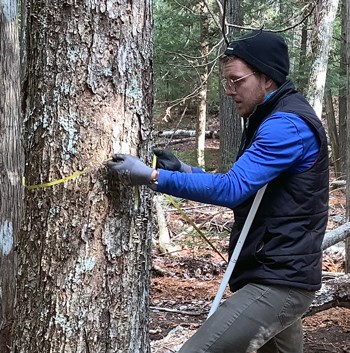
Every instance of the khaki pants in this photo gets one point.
(262, 318)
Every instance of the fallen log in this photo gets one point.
(174, 142)
(334, 292)
(176, 311)
(336, 235)
(189, 133)
(337, 183)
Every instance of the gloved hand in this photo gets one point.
(167, 160)
(131, 169)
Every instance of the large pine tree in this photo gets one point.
(85, 248)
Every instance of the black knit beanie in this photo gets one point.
(265, 51)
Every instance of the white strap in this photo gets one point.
(231, 265)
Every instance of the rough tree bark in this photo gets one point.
(322, 34)
(11, 166)
(230, 122)
(83, 282)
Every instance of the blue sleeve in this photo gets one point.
(197, 170)
(283, 142)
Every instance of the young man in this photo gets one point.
(284, 145)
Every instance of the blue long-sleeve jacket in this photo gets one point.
(284, 142)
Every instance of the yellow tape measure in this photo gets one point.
(75, 175)
(54, 182)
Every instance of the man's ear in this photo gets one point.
(269, 83)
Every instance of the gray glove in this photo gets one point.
(131, 169)
(167, 160)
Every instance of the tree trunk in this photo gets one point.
(302, 74)
(347, 39)
(230, 122)
(83, 282)
(202, 95)
(11, 162)
(23, 35)
(332, 130)
(323, 29)
(342, 96)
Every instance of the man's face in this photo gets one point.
(247, 92)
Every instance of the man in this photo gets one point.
(284, 146)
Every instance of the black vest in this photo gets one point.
(284, 243)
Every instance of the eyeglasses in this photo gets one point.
(231, 85)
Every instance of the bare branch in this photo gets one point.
(275, 30)
(221, 10)
(185, 7)
(193, 94)
(187, 57)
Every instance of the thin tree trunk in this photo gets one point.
(230, 122)
(11, 162)
(323, 29)
(342, 96)
(302, 75)
(347, 39)
(85, 248)
(202, 96)
(332, 130)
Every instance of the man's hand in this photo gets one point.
(167, 160)
(131, 169)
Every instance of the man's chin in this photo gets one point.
(240, 110)
(242, 113)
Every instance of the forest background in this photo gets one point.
(76, 81)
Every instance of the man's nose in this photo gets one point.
(230, 91)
